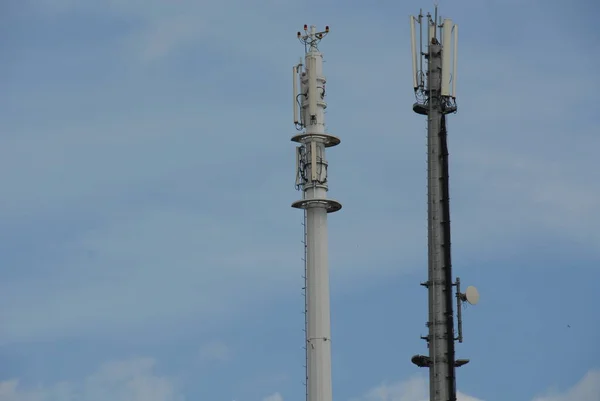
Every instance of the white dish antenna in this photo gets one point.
(472, 295)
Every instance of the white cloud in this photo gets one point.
(587, 389)
(163, 36)
(414, 389)
(274, 397)
(135, 380)
(216, 351)
(463, 397)
(130, 380)
(417, 389)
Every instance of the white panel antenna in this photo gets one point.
(295, 104)
(455, 54)
(298, 95)
(446, 56)
(413, 48)
(311, 66)
(298, 166)
(313, 161)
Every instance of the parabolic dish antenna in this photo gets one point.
(472, 295)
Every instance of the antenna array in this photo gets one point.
(448, 39)
(435, 92)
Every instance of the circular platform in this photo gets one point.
(328, 139)
(423, 109)
(329, 204)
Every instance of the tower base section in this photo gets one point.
(329, 204)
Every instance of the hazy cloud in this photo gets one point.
(216, 351)
(136, 380)
(274, 397)
(414, 389)
(587, 389)
(417, 389)
(130, 380)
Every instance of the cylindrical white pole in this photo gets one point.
(319, 324)
(314, 180)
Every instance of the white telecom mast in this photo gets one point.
(311, 178)
(436, 98)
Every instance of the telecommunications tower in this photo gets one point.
(311, 179)
(435, 90)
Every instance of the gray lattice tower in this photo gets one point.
(435, 91)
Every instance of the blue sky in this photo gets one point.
(149, 250)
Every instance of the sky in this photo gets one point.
(149, 251)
